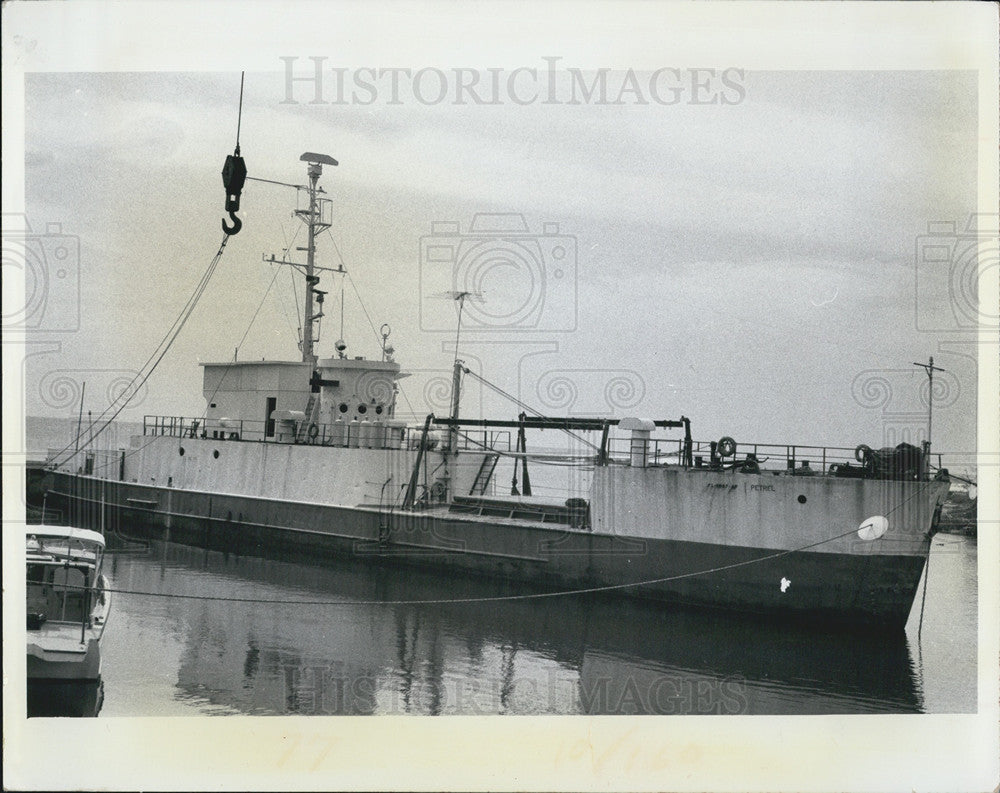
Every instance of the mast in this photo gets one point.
(456, 380)
(456, 398)
(308, 356)
(930, 368)
(313, 219)
(316, 217)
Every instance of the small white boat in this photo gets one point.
(68, 603)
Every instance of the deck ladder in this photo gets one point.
(486, 470)
(309, 419)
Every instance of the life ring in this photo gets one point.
(313, 430)
(726, 447)
(862, 453)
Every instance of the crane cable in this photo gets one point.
(234, 175)
(135, 385)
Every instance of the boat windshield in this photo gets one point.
(74, 550)
(58, 591)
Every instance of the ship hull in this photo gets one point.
(863, 586)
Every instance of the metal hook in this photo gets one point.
(235, 228)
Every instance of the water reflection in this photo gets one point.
(552, 655)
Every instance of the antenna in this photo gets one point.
(387, 349)
(456, 380)
(318, 159)
(460, 298)
(930, 368)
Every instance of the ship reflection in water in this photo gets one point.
(559, 655)
(65, 698)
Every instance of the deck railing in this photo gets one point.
(355, 434)
(796, 459)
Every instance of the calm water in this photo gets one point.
(169, 656)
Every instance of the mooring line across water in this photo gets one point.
(504, 598)
(488, 599)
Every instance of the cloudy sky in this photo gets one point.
(746, 247)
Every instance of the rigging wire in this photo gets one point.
(131, 452)
(493, 598)
(567, 461)
(347, 274)
(296, 332)
(239, 115)
(259, 306)
(526, 407)
(135, 385)
(488, 599)
(228, 368)
(364, 308)
(298, 311)
(204, 413)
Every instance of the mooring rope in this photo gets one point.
(487, 599)
(520, 597)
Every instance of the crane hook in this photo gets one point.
(234, 174)
(235, 228)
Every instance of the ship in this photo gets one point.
(309, 455)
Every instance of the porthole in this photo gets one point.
(215, 454)
(343, 407)
(180, 451)
(378, 410)
(362, 409)
(802, 499)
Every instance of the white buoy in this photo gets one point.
(873, 528)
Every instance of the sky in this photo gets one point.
(748, 255)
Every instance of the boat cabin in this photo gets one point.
(63, 570)
(280, 400)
